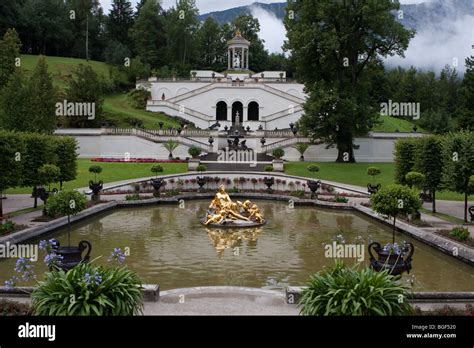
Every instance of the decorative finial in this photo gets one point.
(237, 33)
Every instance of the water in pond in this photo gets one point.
(170, 247)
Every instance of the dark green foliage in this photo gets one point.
(9, 52)
(415, 179)
(48, 173)
(313, 168)
(66, 202)
(138, 98)
(66, 151)
(460, 232)
(269, 168)
(278, 153)
(201, 168)
(404, 157)
(373, 172)
(194, 151)
(156, 169)
(78, 293)
(346, 291)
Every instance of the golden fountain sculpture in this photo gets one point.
(223, 212)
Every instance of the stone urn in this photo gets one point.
(269, 181)
(392, 257)
(373, 188)
(313, 185)
(72, 255)
(201, 181)
(95, 187)
(157, 184)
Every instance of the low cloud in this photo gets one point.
(272, 30)
(440, 44)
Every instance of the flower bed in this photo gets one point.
(136, 160)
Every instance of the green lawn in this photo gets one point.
(61, 68)
(112, 172)
(117, 108)
(391, 124)
(355, 174)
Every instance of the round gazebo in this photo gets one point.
(238, 52)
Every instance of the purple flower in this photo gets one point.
(117, 255)
(10, 283)
(52, 260)
(95, 279)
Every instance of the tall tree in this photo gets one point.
(14, 106)
(333, 43)
(39, 151)
(429, 161)
(182, 24)
(212, 46)
(148, 34)
(11, 165)
(9, 52)
(66, 152)
(465, 112)
(458, 166)
(85, 87)
(42, 99)
(119, 21)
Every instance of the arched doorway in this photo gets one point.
(237, 107)
(221, 111)
(253, 110)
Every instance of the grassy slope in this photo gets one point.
(391, 124)
(355, 174)
(61, 67)
(112, 172)
(116, 107)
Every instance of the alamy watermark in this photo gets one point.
(237, 156)
(26, 251)
(75, 109)
(400, 109)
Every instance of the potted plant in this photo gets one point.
(193, 163)
(301, 148)
(373, 172)
(277, 163)
(269, 181)
(95, 186)
(392, 201)
(313, 185)
(69, 202)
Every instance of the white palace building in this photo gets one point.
(234, 110)
(264, 100)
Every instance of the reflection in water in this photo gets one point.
(223, 238)
(169, 246)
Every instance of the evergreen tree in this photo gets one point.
(212, 46)
(119, 21)
(42, 99)
(148, 34)
(9, 52)
(14, 104)
(85, 87)
(465, 112)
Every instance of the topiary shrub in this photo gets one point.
(278, 153)
(156, 169)
(96, 170)
(373, 172)
(88, 290)
(342, 290)
(194, 151)
(201, 168)
(269, 168)
(415, 179)
(313, 168)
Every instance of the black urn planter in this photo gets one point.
(313, 185)
(201, 181)
(269, 181)
(72, 255)
(426, 195)
(373, 188)
(157, 184)
(471, 212)
(95, 187)
(395, 263)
